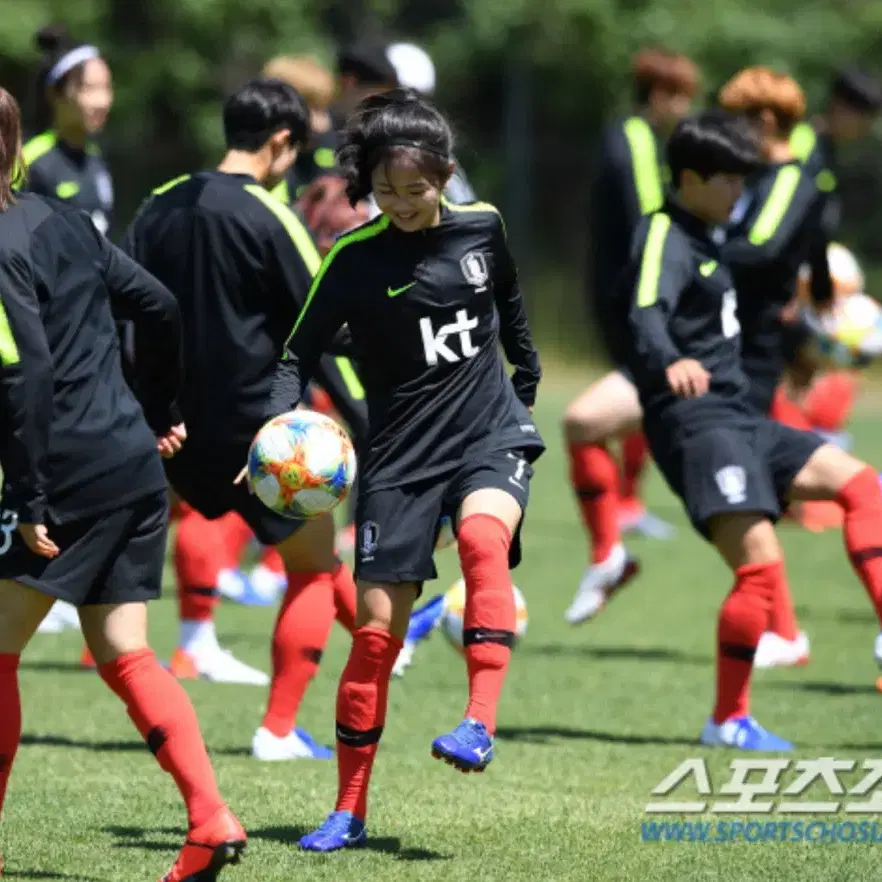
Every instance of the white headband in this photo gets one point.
(69, 61)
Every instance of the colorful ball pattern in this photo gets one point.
(454, 610)
(301, 464)
(849, 334)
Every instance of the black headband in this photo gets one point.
(418, 145)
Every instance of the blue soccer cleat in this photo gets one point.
(340, 830)
(316, 750)
(468, 747)
(743, 733)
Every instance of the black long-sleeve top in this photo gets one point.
(76, 442)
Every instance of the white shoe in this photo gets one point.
(270, 748)
(877, 649)
(216, 665)
(62, 617)
(599, 584)
(405, 658)
(773, 651)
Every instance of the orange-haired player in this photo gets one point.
(628, 185)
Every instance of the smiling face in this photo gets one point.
(85, 100)
(407, 193)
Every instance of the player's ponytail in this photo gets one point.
(390, 125)
(10, 147)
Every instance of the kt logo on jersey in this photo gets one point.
(474, 268)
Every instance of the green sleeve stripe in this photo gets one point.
(359, 235)
(471, 206)
(651, 264)
(350, 378)
(282, 192)
(293, 227)
(38, 146)
(783, 190)
(644, 164)
(8, 347)
(169, 185)
(802, 141)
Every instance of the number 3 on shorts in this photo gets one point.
(729, 315)
(8, 523)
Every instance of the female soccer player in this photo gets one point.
(734, 469)
(65, 162)
(780, 228)
(85, 504)
(628, 184)
(428, 291)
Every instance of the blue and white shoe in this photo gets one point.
(743, 733)
(468, 747)
(340, 830)
(297, 744)
(237, 586)
(645, 523)
(422, 622)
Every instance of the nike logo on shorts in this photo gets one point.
(394, 292)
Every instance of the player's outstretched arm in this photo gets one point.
(514, 329)
(663, 271)
(322, 316)
(137, 296)
(26, 389)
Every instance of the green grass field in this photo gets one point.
(592, 719)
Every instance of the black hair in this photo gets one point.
(857, 89)
(260, 108)
(368, 63)
(54, 42)
(711, 143)
(400, 122)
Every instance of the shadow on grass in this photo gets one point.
(601, 653)
(56, 667)
(98, 746)
(548, 734)
(46, 874)
(383, 844)
(821, 688)
(143, 838)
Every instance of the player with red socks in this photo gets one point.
(238, 302)
(428, 291)
(628, 185)
(85, 508)
(734, 469)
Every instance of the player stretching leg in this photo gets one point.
(238, 303)
(628, 184)
(734, 470)
(428, 291)
(91, 517)
(779, 229)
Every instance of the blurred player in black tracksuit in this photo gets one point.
(629, 182)
(734, 470)
(85, 505)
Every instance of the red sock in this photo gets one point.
(861, 498)
(299, 639)
(345, 602)
(635, 451)
(161, 711)
(361, 714)
(828, 403)
(595, 478)
(489, 617)
(10, 719)
(782, 619)
(744, 617)
(788, 412)
(272, 560)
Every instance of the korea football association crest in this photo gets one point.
(474, 268)
(732, 484)
(370, 538)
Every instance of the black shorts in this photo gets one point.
(204, 478)
(397, 527)
(113, 557)
(747, 467)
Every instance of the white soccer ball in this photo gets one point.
(301, 464)
(850, 333)
(454, 610)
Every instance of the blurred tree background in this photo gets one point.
(528, 84)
